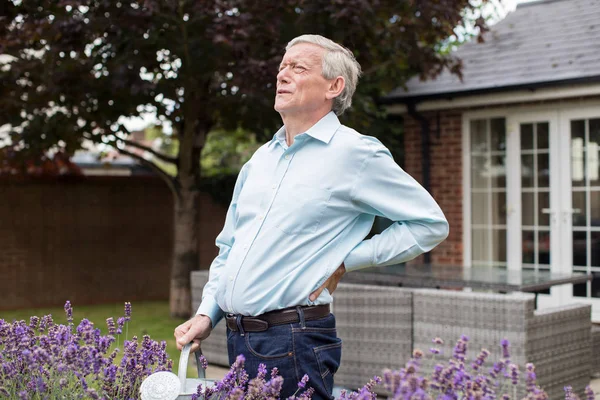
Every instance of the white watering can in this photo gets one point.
(166, 385)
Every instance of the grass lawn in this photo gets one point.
(147, 318)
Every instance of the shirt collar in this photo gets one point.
(323, 130)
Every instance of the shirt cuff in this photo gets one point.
(211, 309)
(360, 257)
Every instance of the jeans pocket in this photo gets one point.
(328, 359)
(269, 345)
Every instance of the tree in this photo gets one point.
(77, 66)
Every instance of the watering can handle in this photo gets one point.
(183, 361)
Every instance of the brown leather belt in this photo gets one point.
(278, 317)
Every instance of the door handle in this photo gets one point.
(553, 217)
(567, 213)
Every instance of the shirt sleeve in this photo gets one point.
(224, 241)
(384, 189)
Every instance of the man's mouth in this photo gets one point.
(283, 92)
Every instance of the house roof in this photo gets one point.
(540, 44)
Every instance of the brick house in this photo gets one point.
(511, 152)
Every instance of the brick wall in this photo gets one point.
(91, 240)
(445, 176)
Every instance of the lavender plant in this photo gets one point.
(236, 385)
(457, 379)
(45, 360)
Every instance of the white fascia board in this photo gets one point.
(518, 96)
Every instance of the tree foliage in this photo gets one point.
(77, 67)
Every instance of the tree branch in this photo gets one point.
(114, 142)
(155, 153)
(166, 177)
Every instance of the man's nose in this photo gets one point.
(282, 76)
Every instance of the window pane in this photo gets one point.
(499, 208)
(479, 142)
(497, 171)
(577, 152)
(594, 207)
(479, 178)
(596, 284)
(543, 171)
(526, 136)
(593, 164)
(543, 203)
(579, 214)
(528, 246)
(595, 248)
(527, 209)
(480, 244)
(527, 171)
(580, 290)
(544, 253)
(499, 245)
(498, 134)
(595, 130)
(542, 135)
(579, 248)
(480, 208)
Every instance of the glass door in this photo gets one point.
(533, 192)
(580, 214)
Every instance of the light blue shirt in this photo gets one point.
(298, 212)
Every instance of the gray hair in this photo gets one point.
(337, 61)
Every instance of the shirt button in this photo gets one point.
(231, 278)
(274, 187)
(287, 157)
(246, 247)
(260, 217)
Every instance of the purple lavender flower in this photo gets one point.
(120, 324)
(46, 322)
(505, 353)
(307, 395)
(460, 349)
(34, 322)
(203, 362)
(438, 341)
(127, 311)
(303, 381)
(589, 393)
(569, 393)
(480, 359)
(69, 311)
(110, 322)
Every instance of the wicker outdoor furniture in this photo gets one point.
(381, 325)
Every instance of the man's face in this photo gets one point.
(301, 87)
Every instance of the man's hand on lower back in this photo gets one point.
(330, 284)
(195, 330)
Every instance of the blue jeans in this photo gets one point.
(313, 349)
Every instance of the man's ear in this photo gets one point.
(335, 88)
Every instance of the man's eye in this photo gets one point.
(299, 68)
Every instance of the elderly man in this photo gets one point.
(300, 212)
